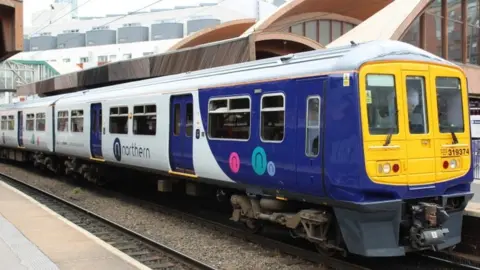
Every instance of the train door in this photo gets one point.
(419, 131)
(20, 128)
(96, 130)
(309, 140)
(181, 131)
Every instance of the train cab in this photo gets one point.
(415, 123)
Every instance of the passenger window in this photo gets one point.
(417, 105)
(229, 118)
(145, 120)
(30, 122)
(176, 126)
(450, 105)
(62, 121)
(11, 122)
(77, 121)
(40, 122)
(118, 120)
(4, 122)
(273, 118)
(381, 102)
(189, 120)
(312, 127)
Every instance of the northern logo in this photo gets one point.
(117, 149)
(132, 150)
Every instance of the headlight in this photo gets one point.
(453, 164)
(386, 168)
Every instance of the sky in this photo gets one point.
(102, 7)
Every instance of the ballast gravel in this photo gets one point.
(210, 246)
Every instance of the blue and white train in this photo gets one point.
(345, 147)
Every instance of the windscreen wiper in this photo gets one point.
(389, 138)
(454, 137)
(390, 132)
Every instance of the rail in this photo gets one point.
(427, 259)
(141, 248)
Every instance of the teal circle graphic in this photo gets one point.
(259, 160)
(271, 168)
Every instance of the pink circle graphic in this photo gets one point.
(234, 161)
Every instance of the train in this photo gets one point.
(362, 149)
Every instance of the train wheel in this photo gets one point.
(254, 226)
(326, 252)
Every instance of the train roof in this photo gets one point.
(341, 59)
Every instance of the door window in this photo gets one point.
(94, 121)
(417, 105)
(176, 127)
(99, 121)
(312, 127)
(189, 120)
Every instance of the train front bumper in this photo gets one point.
(379, 229)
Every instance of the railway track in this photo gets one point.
(124, 239)
(148, 252)
(417, 261)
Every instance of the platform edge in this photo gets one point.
(97, 240)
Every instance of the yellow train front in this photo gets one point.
(410, 177)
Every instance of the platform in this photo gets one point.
(473, 207)
(34, 237)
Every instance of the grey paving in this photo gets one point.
(17, 252)
(475, 187)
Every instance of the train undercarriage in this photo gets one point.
(420, 225)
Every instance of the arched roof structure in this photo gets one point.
(270, 35)
(227, 30)
(399, 15)
(269, 44)
(315, 9)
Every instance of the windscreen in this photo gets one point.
(381, 104)
(450, 107)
